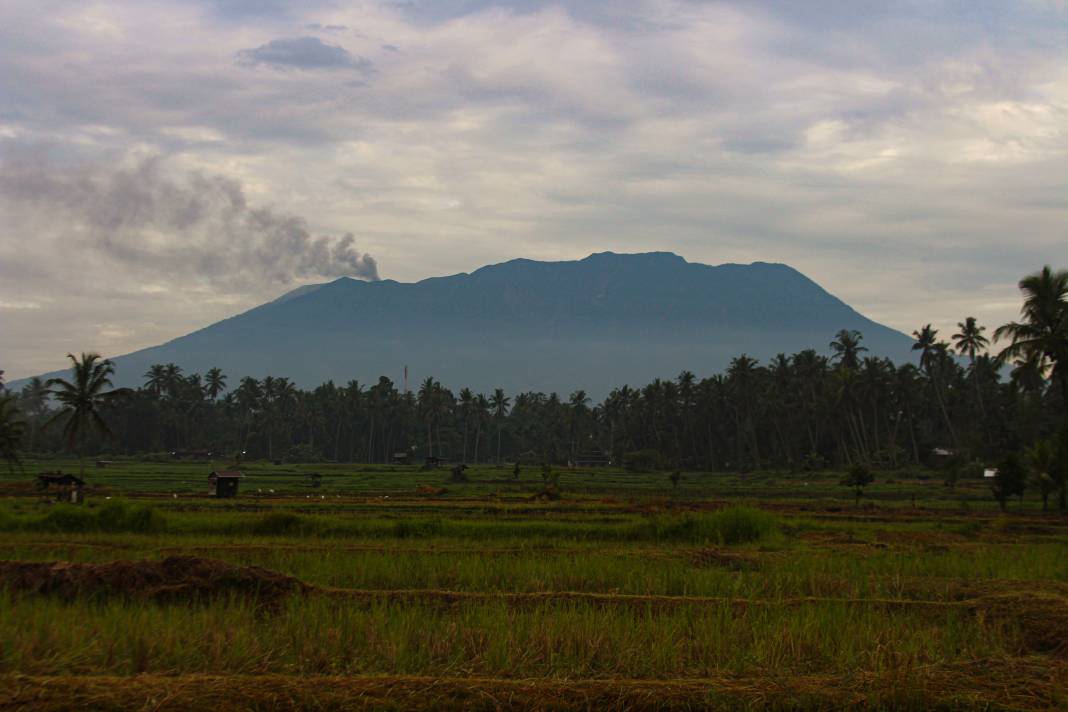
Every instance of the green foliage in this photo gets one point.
(1010, 480)
(417, 528)
(279, 523)
(303, 453)
(730, 526)
(113, 517)
(645, 460)
(858, 478)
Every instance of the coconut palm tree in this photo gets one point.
(480, 408)
(215, 382)
(12, 429)
(467, 402)
(930, 349)
(83, 400)
(847, 348)
(156, 379)
(1042, 333)
(34, 403)
(969, 341)
(499, 403)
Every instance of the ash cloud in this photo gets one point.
(184, 226)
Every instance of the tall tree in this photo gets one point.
(847, 349)
(969, 341)
(215, 382)
(930, 348)
(12, 429)
(1042, 332)
(83, 400)
(499, 403)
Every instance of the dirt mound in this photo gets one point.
(173, 578)
(1041, 614)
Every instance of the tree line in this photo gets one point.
(959, 402)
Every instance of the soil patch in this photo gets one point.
(173, 578)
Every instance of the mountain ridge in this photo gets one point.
(594, 323)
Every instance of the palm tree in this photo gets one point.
(467, 401)
(83, 399)
(1042, 334)
(499, 403)
(12, 428)
(156, 379)
(34, 397)
(578, 406)
(215, 380)
(930, 348)
(480, 408)
(969, 341)
(847, 348)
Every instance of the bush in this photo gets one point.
(642, 460)
(303, 453)
(112, 517)
(279, 523)
(417, 528)
(734, 525)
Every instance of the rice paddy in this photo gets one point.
(763, 591)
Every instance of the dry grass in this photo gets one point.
(1011, 684)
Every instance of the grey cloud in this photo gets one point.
(190, 226)
(318, 27)
(302, 53)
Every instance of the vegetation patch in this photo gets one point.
(730, 526)
(176, 578)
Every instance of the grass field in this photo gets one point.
(377, 590)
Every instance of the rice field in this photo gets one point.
(377, 590)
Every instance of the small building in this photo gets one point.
(400, 458)
(432, 462)
(68, 488)
(223, 483)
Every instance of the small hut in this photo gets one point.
(68, 488)
(223, 483)
(400, 458)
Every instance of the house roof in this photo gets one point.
(60, 479)
(225, 473)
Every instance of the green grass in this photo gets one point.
(806, 585)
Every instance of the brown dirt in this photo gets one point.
(173, 578)
(1014, 684)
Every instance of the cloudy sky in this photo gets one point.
(166, 163)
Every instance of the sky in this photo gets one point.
(168, 163)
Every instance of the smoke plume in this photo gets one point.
(177, 226)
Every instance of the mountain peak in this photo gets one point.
(596, 323)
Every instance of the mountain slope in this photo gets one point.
(595, 323)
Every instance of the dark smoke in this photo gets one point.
(187, 225)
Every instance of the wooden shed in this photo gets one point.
(68, 488)
(223, 483)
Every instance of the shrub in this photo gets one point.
(278, 523)
(858, 478)
(112, 517)
(417, 528)
(642, 460)
(68, 518)
(303, 453)
(734, 525)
